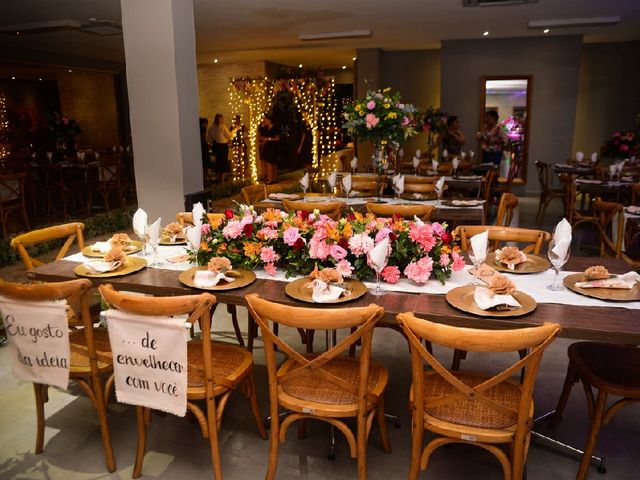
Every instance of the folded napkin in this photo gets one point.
(96, 155)
(434, 165)
(445, 153)
(562, 238)
(633, 210)
(467, 203)
(472, 154)
(304, 182)
(479, 245)
(455, 163)
(417, 196)
(398, 183)
(440, 184)
(418, 153)
(283, 196)
(416, 162)
(379, 255)
(208, 279)
(154, 231)
(179, 258)
(462, 155)
(510, 256)
(354, 164)
(613, 169)
(579, 156)
(140, 222)
(194, 235)
(332, 179)
(625, 282)
(102, 247)
(49, 155)
(324, 292)
(486, 299)
(346, 183)
(98, 266)
(353, 193)
(594, 157)
(197, 212)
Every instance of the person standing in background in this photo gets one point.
(239, 146)
(453, 138)
(304, 150)
(493, 138)
(219, 137)
(269, 138)
(204, 149)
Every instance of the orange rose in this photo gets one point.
(597, 272)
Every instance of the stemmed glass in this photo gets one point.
(477, 261)
(439, 194)
(331, 189)
(557, 259)
(378, 269)
(346, 191)
(396, 189)
(143, 238)
(154, 242)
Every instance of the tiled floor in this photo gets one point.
(177, 451)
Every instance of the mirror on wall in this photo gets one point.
(503, 135)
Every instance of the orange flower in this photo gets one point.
(205, 247)
(251, 249)
(445, 249)
(333, 234)
(359, 216)
(347, 231)
(222, 248)
(271, 214)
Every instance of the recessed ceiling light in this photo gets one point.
(69, 70)
(344, 67)
(486, 34)
(546, 30)
(215, 60)
(17, 33)
(354, 59)
(39, 79)
(13, 78)
(300, 65)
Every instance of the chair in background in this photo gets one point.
(12, 199)
(423, 190)
(186, 218)
(487, 184)
(534, 239)
(611, 225)
(252, 194)
(503, 184)
(423, 212)
(332, 209)
(90, 351)
(547, 194)
(365, 186)
(473, 408)
(419, 179)
(281, 187)
(329, 387)
(215, 369)
(635, 193)
(106, 180)
(508, 203)
(613, 370)
(575, 214)
(72, 232)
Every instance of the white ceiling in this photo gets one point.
(259, 30)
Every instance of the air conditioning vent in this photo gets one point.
(495, 3)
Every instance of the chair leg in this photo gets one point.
(104, 426)
(417, 435)
(214, 447)
(382, 426)
(255, 409)
(236, 327)
(251, 331)
(142, 440)
(569, 381)
(592, 439)
(274, 443)
(362, 446)
(40, 390)
(310, 336)
(458, 355)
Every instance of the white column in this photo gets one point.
(159, 44)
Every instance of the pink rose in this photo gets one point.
(267, 234)
(405, 121)
(268, 255)
(271, 269)
(371, 120)
(391, 274)
(291, 236)
(371, 104)
(232, 230)
(444, 259)
(382, 234)
(438, 229)
(344, 268)
(205, 228)
(419, 271)
(458, 262)
(337, 252)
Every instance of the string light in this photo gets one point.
(4, 127)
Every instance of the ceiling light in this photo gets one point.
(69, 70)
(300, 65)
(215, 60)
(17, 33)
(354, 59)
(574, 22)
(331, 35)
(344, 67)
(39, 79)
(13, 78)
(546, 30)
(486, 34)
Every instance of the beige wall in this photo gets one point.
(608, 93)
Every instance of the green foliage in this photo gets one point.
(227, 189)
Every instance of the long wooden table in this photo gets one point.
(588, 323)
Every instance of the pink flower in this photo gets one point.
(360, 244)
(270, 268)
(405, 121)
(458, 262)
(267, 234)
(318, 248)
(624, 148)
(371, 120)
(246, 220)
(382, 234)
(337, 252)
(391, 274)
(344, 268)
(232, 230)
(444, 259)
(371, 104)
(291, 235)
(438, 229)
(205, 228)
(423, 236)
(419, 271)
(268, 255)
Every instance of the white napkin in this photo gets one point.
(620, 166)
(418, 153)
(114, 149)
(479, 245)
(486, 299)
(579, 156)
(304, 182)
(625, 282)
(455, 163)
(398, 182)
(208, 279)
(102, 247)
(324, 292)
(197, 212)
(439, 184)
(612, 170)
(154, 231)
(140, 222)
(346, 182)
(594, 157)
(416, 162)
(401, 153)
(562, 238)
(472, 154)
(96, 155)
(379, 254)
(353, 193)
(445, 153)
(434, 165)
(462, 155)
(49, 155)
(332, 179)
(418, 221)
(354, 164)
(194, 235)
(98, 266)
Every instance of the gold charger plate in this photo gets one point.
(612, 294)
(298, 290)
(462, 299)
(242, 277)
(131, 264)
(534, 264)
(164, 240)
(87, 252)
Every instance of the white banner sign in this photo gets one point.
(38, 334)
(149, 360)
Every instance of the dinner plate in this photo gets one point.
(612, 294)
(130, 265)
(466, 204)
(165, 240)
(299, 290)
(243, 277)
(534, 264)
(462, 299)
(87, 252)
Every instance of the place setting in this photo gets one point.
(114, 263)
(217, 275)
(121, 240)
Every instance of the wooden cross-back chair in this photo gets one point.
(186, 218)
(423, 212)
(215, 369)
(12, 199)
(332, 209)
(419, 179)
(329, 386)
(427, 190)
(252, 194)
(506, 207)
(89, 356)
(281, 186)
(611, 241)
(473, 408)
(534, 239)
(107, 180)
(72, 231)
(365, 186)
(547, 193)
(573, 213)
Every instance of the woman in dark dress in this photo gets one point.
(304, 150)
(269, 138)
(219, 137)
(453, 138)
(204, 149)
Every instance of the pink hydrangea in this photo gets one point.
(371, 120)
(318, 249)
(344, 268)
(337, 252)
(267, 234)
(271, 269)
(422, 234)
(371, 104)
(444, 259)
(232, 230)
(419, 271)
(360, 244)
(390, 274)
(458, 262)
(268, 255)
(291, 235)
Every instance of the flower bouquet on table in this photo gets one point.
(620, 145)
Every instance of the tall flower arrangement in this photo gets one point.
(620, 145)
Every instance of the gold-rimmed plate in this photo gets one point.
(165, 240)
(242, 278)
(130, 265)
(534, 264)
(299, 290)
(135, 246)
(462, 299)
(611, 294)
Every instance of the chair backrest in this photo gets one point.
(537, 339)
(497, 235)
(367, 186)
(332, 209)
(405, 211)
(605, 213)
(487, 183)
(109, 171)
(184, 218)
(253, 193)
(543, 174)
(280, 187)
(419, 179)
(360, 319)
(12, 188)
(427, 190)
(508, 203)
(71, 231)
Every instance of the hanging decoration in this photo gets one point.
(4, 129)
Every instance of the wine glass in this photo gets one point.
(143, 238)
(477, 260)
(154, 242)
(558, 257)
(331, 189)
(378, 269)
(346, 191)
(439, 194)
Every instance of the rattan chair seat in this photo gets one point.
(308, 386)
(468, 412)
(230, 362)
(79, 357)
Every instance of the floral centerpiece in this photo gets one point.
(620, 145)
(299, 242)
